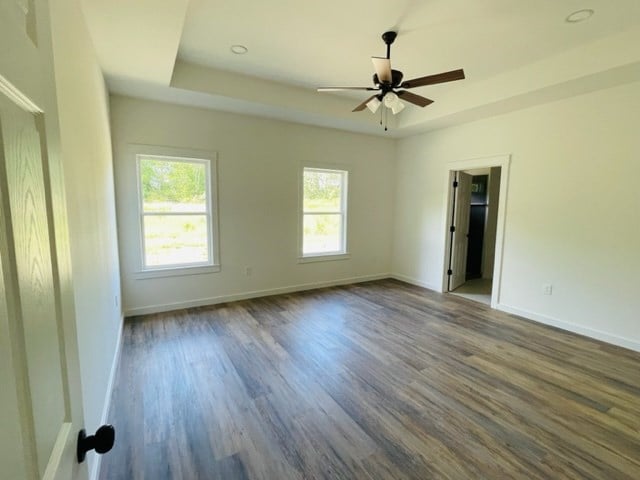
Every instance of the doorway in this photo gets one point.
(474, 228)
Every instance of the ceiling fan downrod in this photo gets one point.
(388, 38)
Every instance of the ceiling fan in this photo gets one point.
(390, 86)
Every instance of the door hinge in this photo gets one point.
(449, 272)
(452, 229)
(455, 184)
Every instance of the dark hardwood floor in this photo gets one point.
(371, 381)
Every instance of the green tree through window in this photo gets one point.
(324, 211)
(176, 219)
(179, 182)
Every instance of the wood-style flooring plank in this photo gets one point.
(374, 381)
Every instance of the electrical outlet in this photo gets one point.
(547, 289)
(248, 271)
(116, 300)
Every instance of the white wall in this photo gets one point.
(258, 168)
(572, 216)
(88, 171)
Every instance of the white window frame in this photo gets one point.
(209, 160)
(342, 254)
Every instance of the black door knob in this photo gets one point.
(101, 442)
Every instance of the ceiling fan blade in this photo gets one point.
(363, 105)
(433, 79)
(383, 69)
(415, 99)
(338, 89)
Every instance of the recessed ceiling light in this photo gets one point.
(579, 16)
(239, 49)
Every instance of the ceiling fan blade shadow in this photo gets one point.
(415, 99)
(408, 10)
(363, 105)
(338, 89)
(382, 67)
(434, 79)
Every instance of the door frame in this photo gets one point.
(503, 161)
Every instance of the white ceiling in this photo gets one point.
(514, 53)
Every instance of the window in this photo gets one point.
(324, 212)
(176, 221)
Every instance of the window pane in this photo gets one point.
(172, 186)
(175, 239)
(322, 234)
(322, 191)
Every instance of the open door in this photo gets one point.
(460, 230)
(40, 399)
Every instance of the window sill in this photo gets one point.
(176, 272)
(324, 258)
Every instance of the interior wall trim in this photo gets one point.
(546, 320)
(572, 327)
(94, 472)
(415, 281)
(167, 307)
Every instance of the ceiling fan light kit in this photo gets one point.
(392, 101)
(391, 88)
(374, 104)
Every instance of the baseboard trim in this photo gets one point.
(167, 307)
(536, 317)
(571, 327)
(416, 282)
(544, 319)
(97, 459)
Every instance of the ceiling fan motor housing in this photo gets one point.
(396, 79)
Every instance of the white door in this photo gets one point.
(40, 400)
(460, 235)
